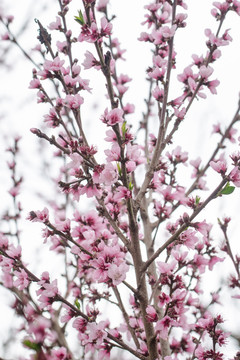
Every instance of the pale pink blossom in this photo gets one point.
(54, 65)
(5, 36)
(158, 93)
(109, 175)
(22, 280)
(97, 332)
(90, 61)
(151, 314)
(101, 5)
(14, 191)
(212, 86)
(219, 166)
(55, 25)
(235, 176)
(76, 69)
(73, 101)
(39, 216)
(122, 193)
(205, 71)
(112, 117)
(34, 84)
(117, 273)
(59, 354)
(106, 27)
(165, 268)
(52, 120)
(163, 326)
(62, 46)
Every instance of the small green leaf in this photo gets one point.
(227, 190)
(119, 169)
(197, 200)
(130, 186)
(31, 345)
(124, 129)
(77, 303)
(79, 18)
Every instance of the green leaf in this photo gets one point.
(130, 186)
(31, 345)
(119, 169)
(227, 190)
(197, 200)
(124, 129)
(77, 303)
(79, 18)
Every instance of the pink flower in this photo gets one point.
(151, 314)
(144, 36)
(157, 73)
(165, 268)
(112, 117)
(212, 86)
(186, 74)
(203, 227)
(177, 155)
(62, 46)
(106, 27)
(51, 289)
(3, 242)
(5, 36)
(189, 238)
(109, 175)
(55, 25)
(180, 114)
(73, 101)
(90, 61)
(39, 328)
(236, 6)
(101, 6)
(165, 33)
(235, 176)
(97, 332)
(205, 72)
(129, 108)
(76, 69)
(54, 65)
(15, 190)
(59, 354)
(198, 61)
(214, 260)
(52, 119)
(134, 153)
(70, 81)
(34, 84)
(163, 325)
(14, 252)
(219, 166)
(117, 273)
(216, 129)
(158, 93)
(47, 292)
(80, 324)
(122, 193)
(39, 216)
(22, 280)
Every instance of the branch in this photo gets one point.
(212, 196)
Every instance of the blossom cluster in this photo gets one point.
(141, 244)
